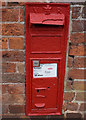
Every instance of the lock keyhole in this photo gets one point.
(37, 91)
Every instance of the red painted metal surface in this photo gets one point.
(46, 43)
(51, 19)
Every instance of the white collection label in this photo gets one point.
(45, 70)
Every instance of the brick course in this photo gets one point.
(4, 43)
(77, 38)
(77, 50)
(10, 15)
(16, 29)
(13, 56)
(8, 67)
(16, 43)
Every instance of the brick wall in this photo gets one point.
(13, 58)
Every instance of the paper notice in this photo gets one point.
(45, 70)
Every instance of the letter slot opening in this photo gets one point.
(51, 19)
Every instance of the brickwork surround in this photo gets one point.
(13, 62)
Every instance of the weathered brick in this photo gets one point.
(80, 96)
(16, 3)
(64, 106)
(69, 96)
(12, 56)
(68, 85)
(79, 85)
(0, 43)
(16, 43)
(75, 116)
(77, 38)
(10, 15)
(79, 62)
(3, 3)
(84, 12)
(77, 50)
(4, 89)
(77, 26)
(71, 106)
(76, 74)
(13, 29)
(21, 15)
(12, 99)
(82, 107)
(4, 43)
(70, 62)
(5, 109)
(17, 109)
(84, 25)
(13, 78)
(0, 27)
(8, 67)
(20, 67)
(20, 3)
(50, 117)
(16, 88)
(76, 12)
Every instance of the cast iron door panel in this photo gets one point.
(44, 85)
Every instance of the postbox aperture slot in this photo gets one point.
(50, 19)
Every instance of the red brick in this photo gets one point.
(76, 116)
(68, 85)
(4, 89)
(64, 107)
(79, 85)
(13, 29)
(0, 27)
(13, 99)
(5, 109)
(84, 25)
(21, 15)
(70, 62)
(3, 3)
(4, 43)
(20, 67)
(84, 116)
(10, 15)
(79, 62)
(16, 3)
(69, 96)
(13, 56)
(80, 96)
(16, 43)
(77, 74)
(17, 109)
(13, 78)
(76, 12)
(82, 107)
(84, 12)
(16, 88)
(71, 106)
(77, 26)
(8, 67)
(77, 50)
(0, 43)
(77, 38)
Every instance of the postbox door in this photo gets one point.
(45, 85)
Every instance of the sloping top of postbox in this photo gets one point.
(51, 19)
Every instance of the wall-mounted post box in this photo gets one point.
(46, 43)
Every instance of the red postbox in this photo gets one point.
(46, 43)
